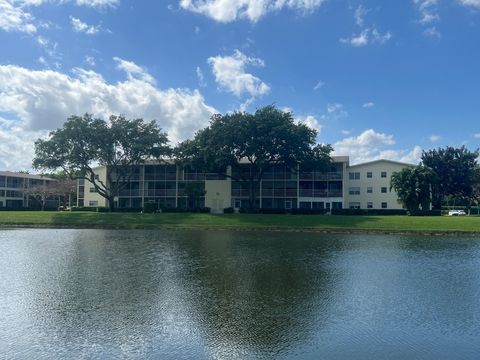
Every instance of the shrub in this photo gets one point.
(369, 212)
(228, 210)
(149, 207)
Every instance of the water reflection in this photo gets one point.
(175, 295)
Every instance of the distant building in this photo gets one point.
(361, 186)
(14, 189)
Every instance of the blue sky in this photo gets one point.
(378, 79)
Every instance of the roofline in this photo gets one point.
(382, 160)
(24, 176)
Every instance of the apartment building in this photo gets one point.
(364, 186)
(369, 185)
(14, 188)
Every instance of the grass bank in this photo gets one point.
(404, 224)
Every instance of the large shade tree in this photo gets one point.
(456, 173)
(413, 187)
(269, 136)
(85, 142)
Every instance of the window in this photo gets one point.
(384, 190)
(354, 205)
(384, 205)
(237, 204)
(369, 174)
(92, 190)
(354, 191)
(93, 203)
(369, 190)
(383, 174)
(336, 205)
(354, 176)
(369, 205)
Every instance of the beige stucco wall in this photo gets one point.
(376, 182)
(89, 196)
(218, 195)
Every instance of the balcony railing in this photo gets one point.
(322, 176)
(160, 193)
(202, 177)
(320, 193)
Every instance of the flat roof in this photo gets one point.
(24, 176)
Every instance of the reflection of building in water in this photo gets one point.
(362, 186)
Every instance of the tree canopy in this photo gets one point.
(413, 187)
(85, 142)
(257, 140)
(456, 171)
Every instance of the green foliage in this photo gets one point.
(83, 142)
(255, 140)
(194, 191)
(413, 187)
(457, 173)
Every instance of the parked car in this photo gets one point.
(456, 213)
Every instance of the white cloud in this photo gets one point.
(476, 136)
(331, 108)
(90, 60)
(434, 138)
(311, 121)
(318, 85)
(200, 77)
(366, 37)
(471, 3)
(359, 15)
(42, 100)
(368, 105)
(134, 71)
(97, 3)
(371, 145)
(230, 10)
(14, 18)
(81, 27)
(230, 75)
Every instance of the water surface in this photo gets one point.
(201, 295)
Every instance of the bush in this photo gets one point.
(82, 208)
(426, 213)
(149, 207)
(102, 209)
(369, 212)
(309, 211)
(228, 210)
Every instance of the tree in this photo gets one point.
(256, 140)
(41, 193)
(194, 192)
(413, 187)
(84, 142)
(455, 170)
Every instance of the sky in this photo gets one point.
(376, 78)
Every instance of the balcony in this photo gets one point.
(321, 176)
(320, 193)
(160, 193)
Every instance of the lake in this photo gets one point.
(237, 295)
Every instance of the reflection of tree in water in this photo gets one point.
(257, 293)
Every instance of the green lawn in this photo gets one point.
(240, 221)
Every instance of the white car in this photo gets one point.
(456, 213)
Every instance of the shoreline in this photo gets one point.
(346, 231)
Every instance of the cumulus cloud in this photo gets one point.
(230, 10)
(368, 105)
(371, 145)
(230, 75)
(311, 121)
(428, 10)
(42, 100)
